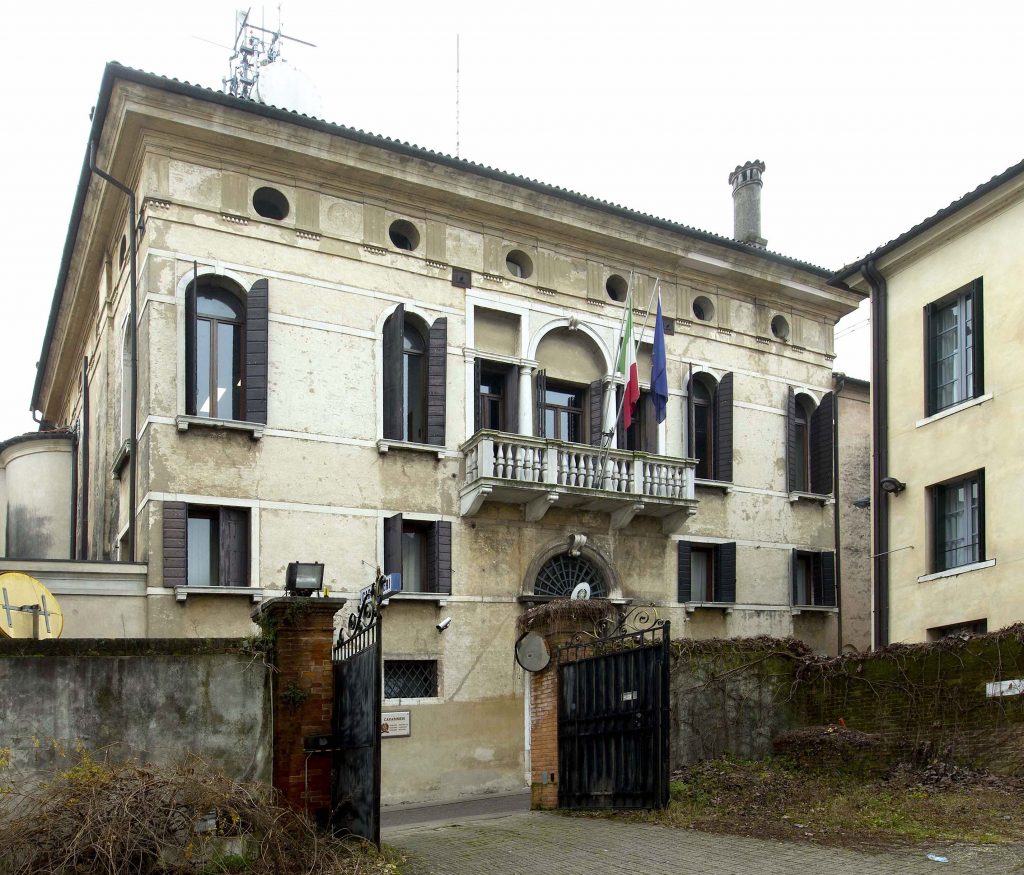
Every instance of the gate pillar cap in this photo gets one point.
(294, 607)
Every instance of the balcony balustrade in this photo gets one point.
(518, 469)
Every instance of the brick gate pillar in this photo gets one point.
(301, 632)
(544, 735)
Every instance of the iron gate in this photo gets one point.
(355, 783)
(613, 717)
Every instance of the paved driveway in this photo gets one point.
(535, 843)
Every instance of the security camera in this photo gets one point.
(444, 624)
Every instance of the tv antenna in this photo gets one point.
(255, 47)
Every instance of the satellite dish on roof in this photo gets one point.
(532, 652)
(27, 608)
(287, 87)
(582, 591)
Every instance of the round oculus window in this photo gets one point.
(270, 203)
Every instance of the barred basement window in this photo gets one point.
(410, 678)
(561, 574)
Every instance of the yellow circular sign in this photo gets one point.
(27, 608)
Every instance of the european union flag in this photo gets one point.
(659, 370)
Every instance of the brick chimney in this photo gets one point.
(746, 203)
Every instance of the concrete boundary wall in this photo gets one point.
(156, 701)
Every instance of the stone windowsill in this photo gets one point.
(181, 593)
(254, 429)
(823, 500)
(725, 607)
(531, 599)
(723, 486)
(814, 609)
(385, 445)
(441, 598)
(121, 457)
(956, 408)
(960, 569)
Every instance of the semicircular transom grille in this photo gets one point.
(561, 574)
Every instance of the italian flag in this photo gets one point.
(627, 367)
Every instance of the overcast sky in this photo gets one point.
(869, 116)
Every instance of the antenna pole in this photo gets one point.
(457, 77)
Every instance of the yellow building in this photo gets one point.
(356, 351)
(948, 325)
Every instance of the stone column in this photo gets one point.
(525, 400)
(301, 630)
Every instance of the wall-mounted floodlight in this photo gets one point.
(304, 578)
(892, 485)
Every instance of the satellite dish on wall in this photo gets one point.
(582, 591)
(27, 608)
(532, 652)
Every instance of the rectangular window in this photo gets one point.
(421, 551)
(958, 630)
(410, 678)
(814, 578)
(702, 573)
(642, 434)
(954, 350)
(563, 412)
(958, 524)
(414, 556)
(492, 399)
(217, 546)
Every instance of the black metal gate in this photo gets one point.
(355, 783)
(613, 718)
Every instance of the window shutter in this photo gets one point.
(175, 525)
(683, 571)
(725, 572)
(394, 388)
(791, 442)
(234, 546)
(539, 389)
(437, 369)
(190, 348)
(478, 415)
(596, 411)
(256, 333)
(821, 445)
(620, 420)
(689, 414)
(512, 400)
(393, 544)
(439, 558)
(723, 429)
(929, 360)
(978, 339)
(793, 563)
(828, 578)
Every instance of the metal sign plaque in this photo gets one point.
(395, 724)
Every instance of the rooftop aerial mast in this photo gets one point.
(255, 47)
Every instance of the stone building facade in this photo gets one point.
(354, 351)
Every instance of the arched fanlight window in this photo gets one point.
(560, 575)
(217, 338)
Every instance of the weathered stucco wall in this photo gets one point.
(153, 700)
(854, 415)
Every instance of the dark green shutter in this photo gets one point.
(478, 416)
(929, 360)
(791, 478)
(689, 416)
(393, 544)
(394, 384)
(234, 546)
(793, 563)
(190, 347)
(175, 531)
(723, 430)
(827, 589)
(596, 411)
(256, 346)
(439, 558)
(512, 400)
(683, 571)
(978, 335)
(822, 458)
(725, 573)
(539, 390)
(437, 371)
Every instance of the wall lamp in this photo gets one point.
(892, 485)
(304, 578)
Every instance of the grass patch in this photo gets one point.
(775, 799)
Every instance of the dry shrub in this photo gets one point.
(564, 615)
(103, 818)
